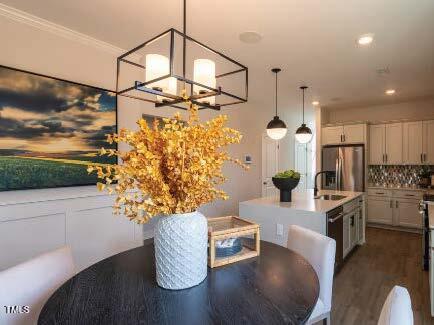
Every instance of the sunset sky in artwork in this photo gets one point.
(47, 115)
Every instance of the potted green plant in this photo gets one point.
(286, 181)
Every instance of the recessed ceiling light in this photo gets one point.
(390, 91)
(250, 37)
(315, 102)
(365, 39)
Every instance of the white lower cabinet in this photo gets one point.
(407, 213)
(346, 237)
(401, 208)
(380, 210)
(353, 225)
(353, 229)
(350, 238)
(359, 225)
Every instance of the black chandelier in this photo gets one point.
(145, 74)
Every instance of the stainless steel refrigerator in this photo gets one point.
(344, 167)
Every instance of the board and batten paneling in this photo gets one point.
(85, 223)
(24, 238)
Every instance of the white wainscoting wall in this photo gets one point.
(51, 218)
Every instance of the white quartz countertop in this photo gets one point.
(304, 201)
(398, 188)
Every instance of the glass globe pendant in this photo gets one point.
(303, 133)
(276, 128)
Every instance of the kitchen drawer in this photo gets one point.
(408, 194)
(379, 192)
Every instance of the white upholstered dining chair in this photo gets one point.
(320, 252)
(31, 283)
(397, 308)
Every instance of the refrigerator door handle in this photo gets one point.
(337, 173)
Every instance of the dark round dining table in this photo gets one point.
(277, 287)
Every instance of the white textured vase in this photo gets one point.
(181, 242)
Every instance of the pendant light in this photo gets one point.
(276, 128)
(169, 76)
(303, 133)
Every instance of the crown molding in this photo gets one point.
(59, 30)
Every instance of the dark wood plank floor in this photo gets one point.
(388, 258)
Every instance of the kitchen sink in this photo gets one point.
(330, 197)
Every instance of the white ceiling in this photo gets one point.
(313, 41)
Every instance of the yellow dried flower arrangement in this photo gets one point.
(170, 169)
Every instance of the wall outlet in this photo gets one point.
(279, 229)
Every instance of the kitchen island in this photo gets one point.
(312, 212)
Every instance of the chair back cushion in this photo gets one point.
(397, 308)
(31, 284)
(319, 251)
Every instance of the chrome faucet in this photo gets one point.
(315, 189)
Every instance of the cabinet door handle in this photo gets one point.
(397, 204)
(345, 138)
(379, 193)
(386, 158)
(421, 157)
(424, 157)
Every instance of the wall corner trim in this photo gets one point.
(45, 25)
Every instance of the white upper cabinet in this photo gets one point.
(428, 142)
(355, 133)
(332, 134)
(412, 143)
(394, 144)
(344, 134)
(377, 147)
(385, 144)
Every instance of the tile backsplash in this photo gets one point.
(396, 175)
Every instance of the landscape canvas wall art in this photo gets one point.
(50, 130)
